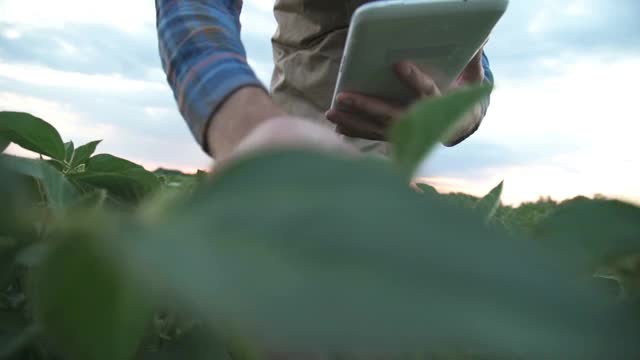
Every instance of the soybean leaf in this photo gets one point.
(427, 189)
(68, 151)
(56, 164)
(427, 123)
(32, 133)
(488, 205)
(84, 303)
(121, 178)
(84, 152)
(595, 232)
(58, 191)
(361, 262)
(110, 163)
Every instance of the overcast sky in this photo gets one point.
(563, 120)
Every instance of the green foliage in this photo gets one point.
(488, 205)
(596, 232)
(69, 149)
(428, 123)
(123, 179)
(83, 153)
(445, 272)
(357, 265)
(88, 308)
(55, 190)
(32, 134)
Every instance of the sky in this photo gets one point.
(563, 119)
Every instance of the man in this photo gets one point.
(229, 111)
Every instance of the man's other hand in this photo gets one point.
(366, 117)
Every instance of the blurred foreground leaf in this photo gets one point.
(593, 232)
(83, 301)
(359, 262)
(488, 205)
(4, 143)
(428, 123)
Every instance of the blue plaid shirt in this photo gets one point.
(204, 59)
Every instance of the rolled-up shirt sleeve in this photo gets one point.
(202, 56)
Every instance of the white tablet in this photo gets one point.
(439, 36)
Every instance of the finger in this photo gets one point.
(367, 106)
(421, 83)
(355, 126)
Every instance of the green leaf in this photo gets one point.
(110, 163)
(427, 189)
(58, 191)
(361, 262)
(121, 178)
(595, 232)
(84, 152)
(69, 149)
(32, 133)
(488, 205)
(85, 305)
(428, 123)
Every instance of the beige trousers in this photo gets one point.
(307, 49)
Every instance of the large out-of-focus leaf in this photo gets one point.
(58, 191)
(84, 152)
(358, 261)
(595, 232)
(195, 344)
(85, 305)
(9, 248)
(121, 178)
(427, 123)
(31, 133)
(488, 205)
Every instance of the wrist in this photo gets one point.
(241, 113)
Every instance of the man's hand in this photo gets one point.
(366, 117)
(249, 121)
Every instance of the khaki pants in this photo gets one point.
(307, 49)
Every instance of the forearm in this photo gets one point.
(240, 114)
(204, 61)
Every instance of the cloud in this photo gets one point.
(126, 15)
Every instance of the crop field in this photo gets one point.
(302, 255)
